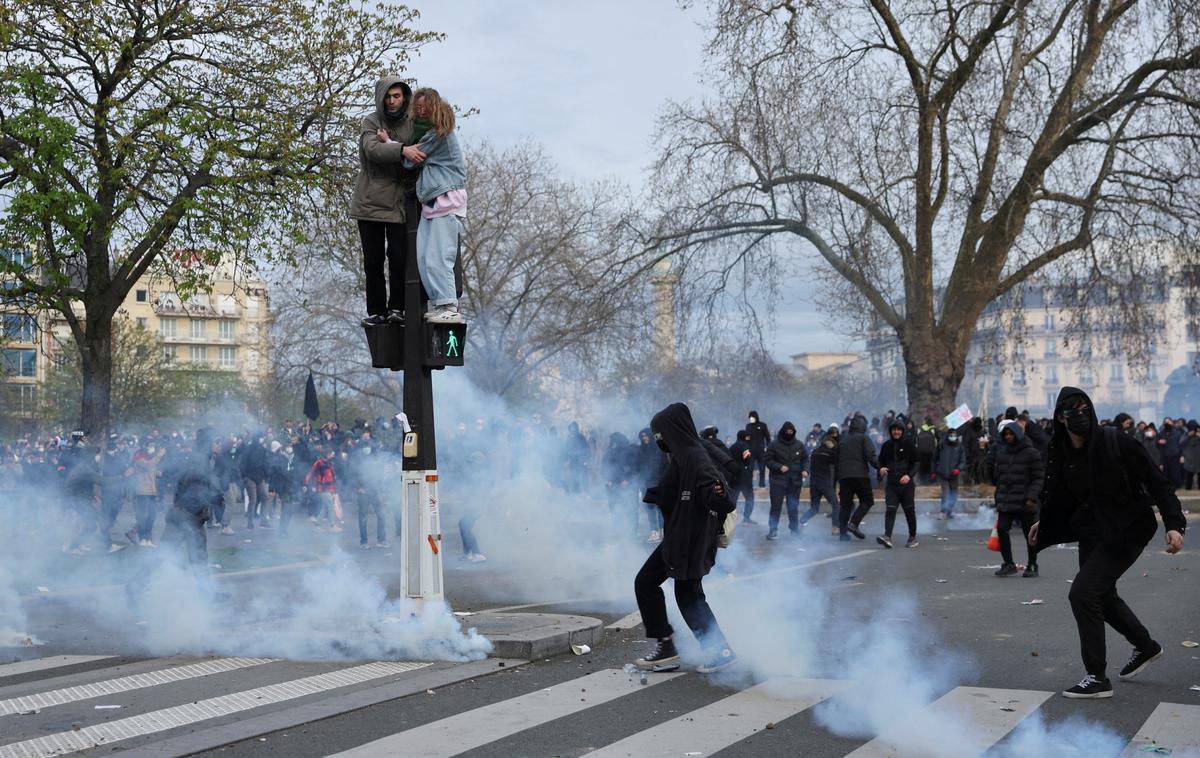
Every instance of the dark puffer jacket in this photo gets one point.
(1019, 472)
(787, 450)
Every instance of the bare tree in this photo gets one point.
(129, 130)
(547, 267)
(936, 155)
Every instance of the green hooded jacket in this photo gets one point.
(382, 179)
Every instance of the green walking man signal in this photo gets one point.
(452, 344)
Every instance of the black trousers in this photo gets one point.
(1095, 602)
(816, 490)
(1004, 522)
(866, 498)
(383, 241)
(760, 462)
(779, 493)
(689, 596)
(745, 489)
(898, 496)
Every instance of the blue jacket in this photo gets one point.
(444, 168)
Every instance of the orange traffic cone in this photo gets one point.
(994, 541)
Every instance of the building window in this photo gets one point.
(1085, 377)
(1019, 379)
(1152, 371)
(228, 305)
(197, 329)
(226, 329)
(1116, 373)
(252, 306)
(1050, 324)
(170, 353)
(168, 301)
(1052, 374)
(19, 362)
(142, 296)
(1051, 399)
(198, 354)
(19, 328)
(167, 328)
(199, 299)
(142, 322)
(228, 357)
(1051, 348)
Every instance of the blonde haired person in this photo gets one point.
(442, 192)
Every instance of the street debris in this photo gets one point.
(989, 566)
(1157, 749)
(463, 614)
(581, 649)
(941, 581)
(1189, 643)
(107, 707)
(1035, 601)
(850, 578)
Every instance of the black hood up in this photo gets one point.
(677, 428)
(1065, 395)
(788, 426)
(859, 424)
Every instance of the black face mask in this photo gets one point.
(662, 444)
(1080, 423)
(787, 435)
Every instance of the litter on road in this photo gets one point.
(1035, 601)
(581, 649)
(1189, 643)
(107, 707)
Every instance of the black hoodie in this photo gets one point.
(787, 450)
(1124, 486)
(692, 511)
(856, 451)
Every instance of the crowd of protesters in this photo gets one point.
(272, 474)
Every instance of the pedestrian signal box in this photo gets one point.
(444, 345)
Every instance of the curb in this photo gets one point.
(529, 636)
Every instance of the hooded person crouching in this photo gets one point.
(694, 500)
(1100, 490)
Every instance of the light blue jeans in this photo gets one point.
(437, 249)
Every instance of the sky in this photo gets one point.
(587, 81)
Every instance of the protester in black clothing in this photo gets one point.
(1019, 476)
(1170, 443)
(693, 499)
(743, 483)
(650, 465)
(787, 459)
(1124, 423)
(617, 468)
(855, 453)
(1191, 454)
(1100, 490)
(822, 466)
(760, 437)
(898, 463)
(1033, 433)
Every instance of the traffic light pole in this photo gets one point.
(420, 528)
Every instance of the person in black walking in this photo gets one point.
(760, 437)
(743, 484)
(787, 458)
(1019, 476)
(898, 464)
(1101, 488)
(855, 453)
(694, 500)
(822, 467)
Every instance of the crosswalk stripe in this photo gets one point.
(1172, 726)
(986, 714)
(203, 710)
(471, 729)
(715, 727)
(626, 622)
(41, 700)
(43, 664)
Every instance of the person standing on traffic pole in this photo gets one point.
(760, 437)
(1100, 490)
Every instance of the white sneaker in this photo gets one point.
(146, 543)
(476, 558)
(115, 548)
(444, 314)
(227, 530)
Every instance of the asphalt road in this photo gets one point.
(879, 634)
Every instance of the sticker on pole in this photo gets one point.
(433, 543)
(959, 416)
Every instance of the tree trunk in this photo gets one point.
(96, 354)
(934, 369)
